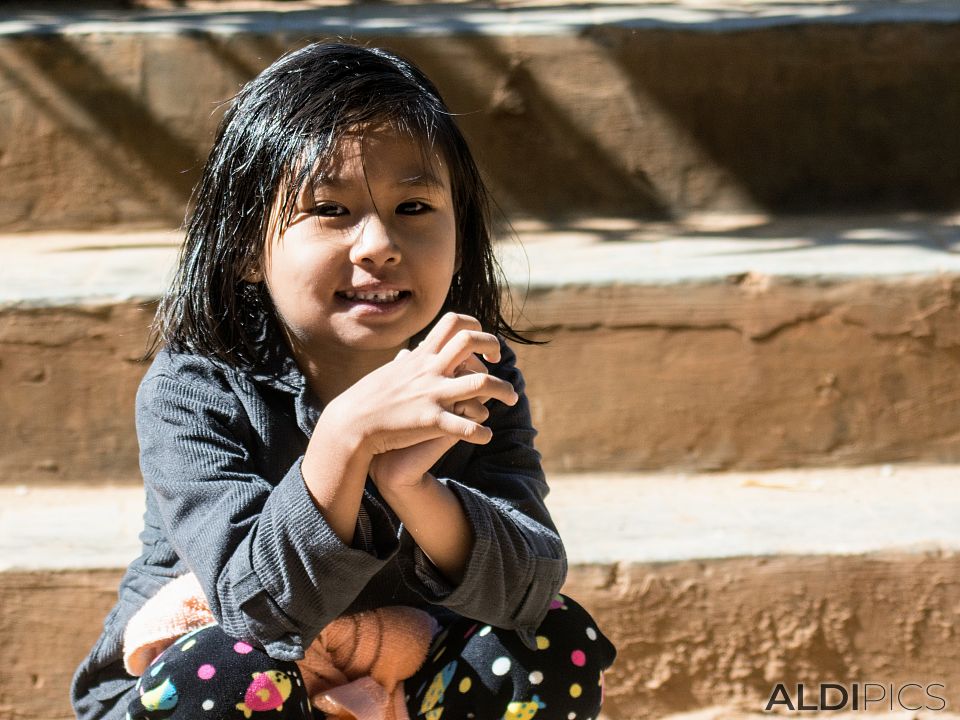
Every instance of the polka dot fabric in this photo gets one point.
(473, 672)
(207, 675)
(477, 672)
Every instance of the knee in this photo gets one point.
(566, 670)
(573, 632)
(211, 675)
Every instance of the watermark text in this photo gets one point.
(865, 696)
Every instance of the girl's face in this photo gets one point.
(367, 259)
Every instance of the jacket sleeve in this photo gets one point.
(518, 563)
(272, 569)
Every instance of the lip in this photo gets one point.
(370, 307)
(371, 287)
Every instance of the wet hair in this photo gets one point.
(284, 126)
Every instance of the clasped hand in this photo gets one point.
(410, 411)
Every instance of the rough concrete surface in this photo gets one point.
(698, 634)
(611, 109)
(696, 360)
(698, 377)
(69, 377)
(752, 373)
(714, 588)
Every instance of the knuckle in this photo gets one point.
(446, 323)
(432, 418)
(453, 320)
(470, 321)
(462, 339)
(495, 384)
(434, 363)
(481, 381)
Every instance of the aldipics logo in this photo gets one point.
(858, 696)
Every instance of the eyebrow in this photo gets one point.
(423, 179)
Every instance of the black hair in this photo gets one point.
(278, 130)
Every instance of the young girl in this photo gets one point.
(319, 435)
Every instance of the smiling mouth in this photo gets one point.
(378, 297)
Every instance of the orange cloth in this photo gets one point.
(354, 670)
(357, 665)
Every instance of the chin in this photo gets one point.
(374, 340)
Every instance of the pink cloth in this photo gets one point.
(175, 610)
(354, 670)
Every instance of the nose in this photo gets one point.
(373, 244)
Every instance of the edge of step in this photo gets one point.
(522, 19)
(605, 519)
(53, 269)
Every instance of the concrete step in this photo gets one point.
(714, 588)
(703, 346)
(636, 109)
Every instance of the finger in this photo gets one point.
(469, 366)
(471, 410)
(472, 366)
(447, 326)
(465, 429)
(403, 351)
(480, 386)
(466, 343)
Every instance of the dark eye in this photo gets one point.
(329, 209)
(413, 207)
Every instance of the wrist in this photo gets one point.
(334, 470)
(404, 493)
(335, 443)
(340, 428)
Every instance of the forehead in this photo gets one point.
(383, 154)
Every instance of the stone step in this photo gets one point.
(704, 347)
(642, 109)
(714, 588)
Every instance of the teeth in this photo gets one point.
(381, 296)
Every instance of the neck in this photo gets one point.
(332, 371)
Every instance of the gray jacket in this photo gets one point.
(220, 452)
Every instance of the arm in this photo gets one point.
(273, 557)
(396, 422)
(273, 569)
(516, 563)
(446, 543)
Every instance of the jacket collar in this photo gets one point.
(278, 370)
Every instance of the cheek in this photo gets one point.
(442, 267)
(300, 252)
(299, 279)
(447, 251)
